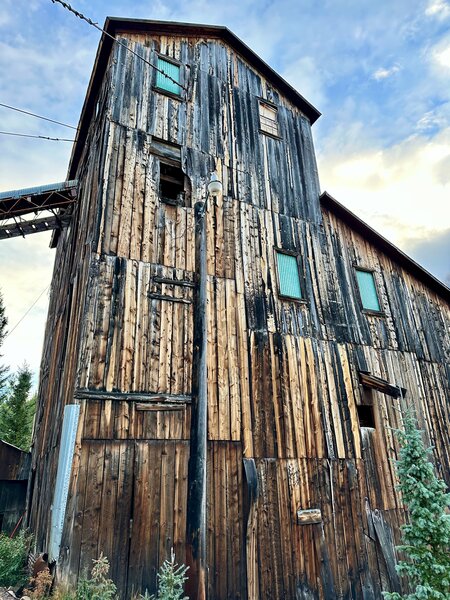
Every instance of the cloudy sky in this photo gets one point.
(378, 71)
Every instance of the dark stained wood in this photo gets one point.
(14, 463)
(196, 550)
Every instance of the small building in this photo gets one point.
(318, 331)
(14, 471)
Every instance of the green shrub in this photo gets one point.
(171, 578)
(13, 556)
(98, 587)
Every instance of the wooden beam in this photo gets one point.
(86, 394)
(156, 407)
(169, 298)
(381, 385)
(182, 282)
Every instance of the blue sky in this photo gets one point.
(378, 71)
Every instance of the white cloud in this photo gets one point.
(442, 56)
(438, 8)
(402, 190)
(383, 73)
(432, 120)
(307, 77)
(26, 269)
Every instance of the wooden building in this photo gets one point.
(14, 471)
(317, 330)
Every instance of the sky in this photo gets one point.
(378, 71)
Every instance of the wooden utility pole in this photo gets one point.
(196, 501)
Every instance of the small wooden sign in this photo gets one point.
(309, 516)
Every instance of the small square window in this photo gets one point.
(168, 76)
(288, 276)
(367, 290)
(268, 118)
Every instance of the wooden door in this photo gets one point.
(158, 515)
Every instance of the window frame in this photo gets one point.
(160, 90)
(301, 279)
(369, 311)
(261, 102)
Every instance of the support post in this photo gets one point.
(196, 500)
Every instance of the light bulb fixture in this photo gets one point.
(214, 185)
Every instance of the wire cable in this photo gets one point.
(41, 137)
(26, 112)
(97, 26)
(23, 316)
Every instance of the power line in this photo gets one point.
(41, 137)
(97, 26)
(26, 112)
(23, 316)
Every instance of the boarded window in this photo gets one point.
(268, 118)
(288, 276)
(367, 290)
(168, 77)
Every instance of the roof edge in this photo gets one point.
(388, 247)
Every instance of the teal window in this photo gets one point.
(367, 290)
(288, 276)
(168, 76)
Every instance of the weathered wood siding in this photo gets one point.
(283, 386)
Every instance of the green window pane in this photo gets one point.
(367, 290)
(163, 82)
(288, 276)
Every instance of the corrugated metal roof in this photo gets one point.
(40, 189)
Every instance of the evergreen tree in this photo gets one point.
(171, 578)
(17, 410)
(426, 538)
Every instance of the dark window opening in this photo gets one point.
(171, 187)
(365, 416)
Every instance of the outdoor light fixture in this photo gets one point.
(214, 185)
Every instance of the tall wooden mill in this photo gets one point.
(316, 329)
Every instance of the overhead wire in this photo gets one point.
(68, 7)
(24, 315)
(26, 112)
(41, 137)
